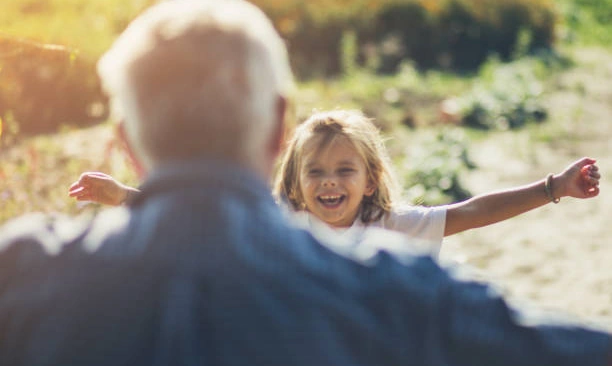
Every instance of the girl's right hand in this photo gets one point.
(99, 187)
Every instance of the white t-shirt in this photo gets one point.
(424, 226)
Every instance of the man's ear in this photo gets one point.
(124, 142)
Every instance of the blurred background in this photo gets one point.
(473, 95)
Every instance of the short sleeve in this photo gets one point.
(418, 222)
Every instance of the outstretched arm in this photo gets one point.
(580, 180)
(101, 188)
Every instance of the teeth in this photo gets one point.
(330, 199)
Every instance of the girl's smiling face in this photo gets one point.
(333, 180)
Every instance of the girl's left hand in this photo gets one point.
(580, 179)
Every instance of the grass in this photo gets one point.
(37, 172)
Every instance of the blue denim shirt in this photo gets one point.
(202, 269)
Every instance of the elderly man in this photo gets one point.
(202, 268)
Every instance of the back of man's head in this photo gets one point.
(198, 78)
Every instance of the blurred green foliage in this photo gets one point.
(586, 21)
(43, 86)
(87, 26)
(433, 168)
(451, 34)
(48, 50)
(505, 96)
(42, 90)
(404, 62)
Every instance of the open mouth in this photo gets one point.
(331, 201)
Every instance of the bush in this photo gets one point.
(462, 34)
(314, 30)
(433, 169)
(45, 86)
(506, 97)
(451, 34)
(587, 21)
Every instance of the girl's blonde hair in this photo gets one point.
(367, 141)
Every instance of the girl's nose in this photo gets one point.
(329, 182)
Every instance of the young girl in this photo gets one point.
(337, 169)
(335, 178)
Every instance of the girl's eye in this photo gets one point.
(346, 171)
(314, 172)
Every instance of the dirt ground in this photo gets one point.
(557, 257)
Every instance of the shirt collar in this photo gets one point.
(201, 173)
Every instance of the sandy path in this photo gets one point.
(558, 256)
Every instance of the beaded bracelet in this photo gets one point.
(548, 189)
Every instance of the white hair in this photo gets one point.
(197, 78)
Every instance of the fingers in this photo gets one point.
(88, 175)
(84, 188)
(76, 190)
(82, 193)
(590, 174)
(592, 192)
(589, 178)
(93, 177)
(585, 160)
(74, 186)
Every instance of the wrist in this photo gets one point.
(128, 195)
(551, 189)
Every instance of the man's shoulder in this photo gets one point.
(30, 242)
(46, 232)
